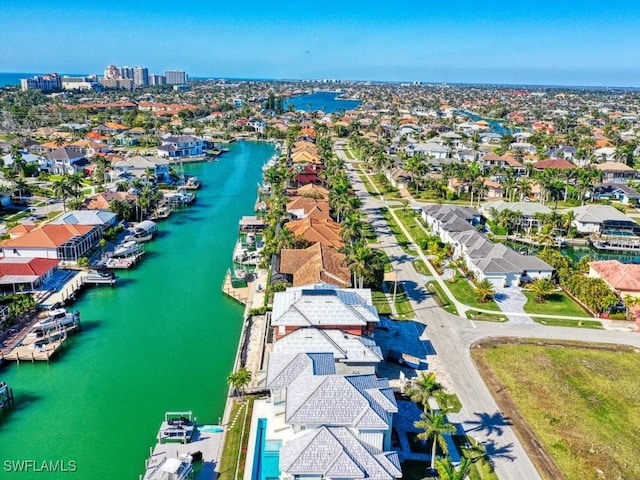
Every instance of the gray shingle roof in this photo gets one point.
(284, 368)
(335, 452)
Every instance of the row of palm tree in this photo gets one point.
(435, 427)
(239, 381)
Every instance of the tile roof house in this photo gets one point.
(495, 262)
(181, 146)
(527, 210)
(323, 306)
(557, 163)
(600, 219)
(314, 264)
(624, 278)
(335, 452)
(618, 191)
(351, 353)
(139, 165)
(325, 231)
(101, 218)
(310, 190)
(25, 274)
(304, 207)
(67, 160)
(101, 201)
(64, 242)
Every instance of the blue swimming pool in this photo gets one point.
(266, 458)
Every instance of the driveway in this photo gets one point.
(512, 300)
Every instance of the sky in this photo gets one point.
(545, 42)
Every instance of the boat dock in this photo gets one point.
(32, 352)
(63, 291)
(120, 262)
(204, 444)
(616, 244)
(239, 293)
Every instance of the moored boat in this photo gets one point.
(56, 319)
(127, 249)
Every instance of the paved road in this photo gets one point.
(452, 338)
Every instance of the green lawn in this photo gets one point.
(581, 401)
(420, 267)
(486, 317)
(465, 293)
(380, 302)
(559, 322)
(441, 298)
(385, 259)
(367, 184)
(401, 238)
(408, 219)
(557, 304)
(403, 305)
(236, 441)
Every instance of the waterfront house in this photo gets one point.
(496, 262)
(527, 211)
(615, 172)
(352, 354)
(139, 166)
(101, 201)
(335, 452)
(623, 278)
(323, 306)
(307, 393)
(310, 190)
(100, 218)
(314, 264)
(603, 219)
(20, 274)
(308, 173)
(325, 231)
(181, 146)
(64, 242)
(304, 207)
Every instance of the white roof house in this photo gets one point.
(496, 262)
(351, 353)
(334, 452)
(323, 306)
(103, 218)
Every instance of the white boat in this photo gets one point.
(57, 319)
(100, 277)
(127, 249)
(179, 197)
(143, 231)
(170, 468)
(240, 273)
(192, 183)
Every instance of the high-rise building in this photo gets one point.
(126, 72)
(42, 82)
(81, 83)
(141, 76)
(125, 83)
(176, 77)
(157, 80)
(112, 72)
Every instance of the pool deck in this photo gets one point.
(209, 443)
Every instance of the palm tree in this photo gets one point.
(62, 190)
(447, 471)
(239, 380)
(360, 260)
(19, 164)
(352, 228)
(75, 184)
(20, 186)
(485, 289)
(434, 426)
(543, 288)
(422, 388)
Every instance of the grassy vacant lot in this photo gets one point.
(580, 401)
(465, 293)
(557, 304)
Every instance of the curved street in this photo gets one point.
(452, 337)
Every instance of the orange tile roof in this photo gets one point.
(559, 163)
(34, 266)
(315, 264)
(318, 209)
(20, 230)
(47, 236)
(620, 276)
(311, 190)
(326, 232)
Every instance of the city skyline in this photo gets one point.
(582, 43)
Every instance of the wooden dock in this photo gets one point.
(35, 352)
(240, 294)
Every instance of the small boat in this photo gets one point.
(57, 319)
(192, 183)
(127, 249)
(100, 277)
(177, 427)
(179, 468)
(240, 273)
(143, 231)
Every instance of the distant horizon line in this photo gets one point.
(410, 82)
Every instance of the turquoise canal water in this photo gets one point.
(325, 101)
(164, 339)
